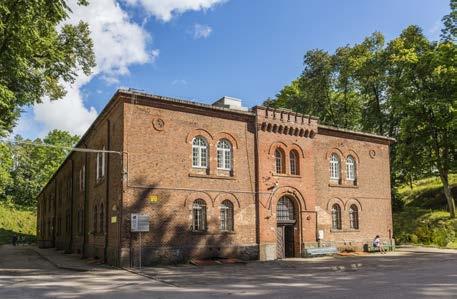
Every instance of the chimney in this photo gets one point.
(230, 103)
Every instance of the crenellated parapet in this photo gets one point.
(284, 121)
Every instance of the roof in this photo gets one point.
(358, 133)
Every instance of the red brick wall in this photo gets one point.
(371, 193)
(160, 163)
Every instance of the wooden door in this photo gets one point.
(280, 242)
(289, 241)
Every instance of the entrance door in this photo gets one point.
(280, 242)
(289, 241)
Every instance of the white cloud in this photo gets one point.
(201, 31)
(155, 55)
(164, 10)
(179, 82)
(118, 43)
(435, 31)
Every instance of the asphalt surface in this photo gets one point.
(408, 273)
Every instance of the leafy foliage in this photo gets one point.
(405, 89)
(38, 52)
(34, 165)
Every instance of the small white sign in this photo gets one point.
(139, 223)
(320, 234)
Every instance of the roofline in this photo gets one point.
(285, 110)
(180, 101)
(358, 133)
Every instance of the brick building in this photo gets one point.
(215, 180)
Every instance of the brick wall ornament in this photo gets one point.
(372, 154)
(158, 124)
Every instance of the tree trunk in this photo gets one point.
(448, 194)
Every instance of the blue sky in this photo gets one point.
(205, 49)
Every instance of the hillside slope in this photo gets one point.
(424, 219)
(16, 220)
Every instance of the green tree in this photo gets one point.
(37, 53)
(426, 95)
(6, 164)
(35, 163)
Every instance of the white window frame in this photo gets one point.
(199, 215)
(334, 167)
(279, 161)
(82, 178)
(293, 158)
(199, 152)
(350, 169)
(101, 160)
(224, 155)
(226, 215)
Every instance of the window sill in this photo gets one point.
(343, 186)
(209, 176)
(285, 175)
(345, 230)
(99, 181)
(227, 232)
(199, 232)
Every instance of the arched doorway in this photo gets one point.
(286, 217)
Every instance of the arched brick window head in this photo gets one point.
(199, 152)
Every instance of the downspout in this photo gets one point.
(257, 176)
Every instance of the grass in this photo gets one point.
(16, 220)
(424, 219)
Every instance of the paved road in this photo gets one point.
(415, 273)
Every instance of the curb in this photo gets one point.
(59, 266)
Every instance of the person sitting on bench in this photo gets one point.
(377, 244)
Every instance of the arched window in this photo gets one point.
(199, 215)
(279, 159)
(294, 168)
(350, 169)
(95, 219)
(334, 167)
(224, 155)
(285, 210)
(102, 219)
(336, 216)
(199, 152)
(226, 216)
(354, 217)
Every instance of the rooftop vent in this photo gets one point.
(230, 103)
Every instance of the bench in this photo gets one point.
(319, 251)
(371, 248)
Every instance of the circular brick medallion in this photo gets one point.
(158, 124)
(372, 154)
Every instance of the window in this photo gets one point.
(279, 159)
(199, 152)
(95, 219)
(336, 216)
(350, 168)
(102, 219)
(285, 210)
(199, 215)
(80, 221)
(293, 163)
(226, 216)
(354, 217)
(224, 155)
(100, 173)
(334, 167)
(82, 178)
